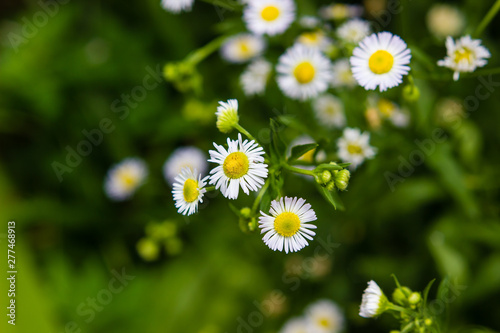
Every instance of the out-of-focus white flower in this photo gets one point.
(295, 325)
(464, 55)
(342, 74)
(354, 31)
(177, 6)
(354, 147)
(242, 48)
(444, 20)
(271, 17)
(315, 39)
(124, 178)
(329, 110)
(324, 316)
(339, 11)
(254, 78)
(191, 157)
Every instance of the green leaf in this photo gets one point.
(328, 196)
(327, 166)
(426, 291)
(298, 151)
(265, 202)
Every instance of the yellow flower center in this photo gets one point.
(310, 37)
(381, 62)
(304, 72)
(287, 224)
(190, 190)
(385, 107)
(244, 49)
(463, 54)
(354, 149)
(236, 165)
(324, 322)
(270, 13)
(127, 178)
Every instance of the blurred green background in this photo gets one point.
(443, 220)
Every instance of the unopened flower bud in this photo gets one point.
(428, 321)
(414, 298)
(411, 93)
(326, 176)
(399, 295)
(330, 186)
(342, 179)
(245, 212)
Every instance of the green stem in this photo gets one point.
(487, 19)
(484, 72)
(210, 188)
(197, 56)
(244, 131)
(298, 170)
(259, 196)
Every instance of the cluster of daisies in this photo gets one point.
(240, 165)
(322, 316)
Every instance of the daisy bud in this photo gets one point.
(325, 177)
(428, 322)
(245, 212)
(331, 185)
(414, 298)
(148, 249)
(399, 295)
(342, 179)
(411, 93)
(227, 115)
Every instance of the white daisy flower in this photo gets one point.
(183, 157)
(188, 191)
(329, 110)
(177, 6)
(464, 55)
(444, 20)
(400, 118)
(354, 147)
(380, 60)
(373, 302)
(315, 39)
(303, 72)
(242, 48)
(254, 78)
(240, 165)
(295, 325)
(270, 17)
(124, 178)
(342, 74)
(324, 316)
(227, 115)
(288, 225)
(354, 31)
(340, 11)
